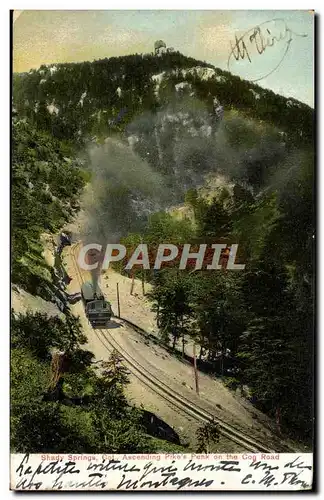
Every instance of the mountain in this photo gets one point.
(79, 100)
(176, 120)
(143, 133)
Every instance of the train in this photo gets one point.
(98, 310)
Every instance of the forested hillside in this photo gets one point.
(171, 122)
(59, 400)
(76, 100)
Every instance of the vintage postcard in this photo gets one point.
(163, 242)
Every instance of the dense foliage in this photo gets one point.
(254, 327)
(258, 323)
(81, 407)
(62, 86)
(46, 184)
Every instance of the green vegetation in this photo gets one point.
(73, 405)
(293, 117)
(257, 323)
(46, 185)
(207, 436)
(76, 120)
(61, 401)
(254, 327)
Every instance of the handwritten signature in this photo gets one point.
(258, 39)
(117, 474)
(271, 479)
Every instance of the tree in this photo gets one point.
(118, 424)
(90, 413)
(45, 189)
(171, 301)
(215, 221)
(273, 346)
(207, 436)
(163, 227)
(40, 334)
(218, 314)
(256, 320)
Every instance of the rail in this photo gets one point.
(177, 400)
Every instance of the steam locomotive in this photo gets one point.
(97, 309)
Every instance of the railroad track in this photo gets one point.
(172, 397)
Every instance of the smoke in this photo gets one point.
(178, 142)
(169, 152)
(123, 191)
(185, 141)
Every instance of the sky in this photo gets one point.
(46, 37)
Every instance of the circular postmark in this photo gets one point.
(260, 51)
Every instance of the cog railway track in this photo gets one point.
(172, 397)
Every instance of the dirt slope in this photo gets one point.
(214, 396)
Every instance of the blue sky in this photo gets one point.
(44, 37)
